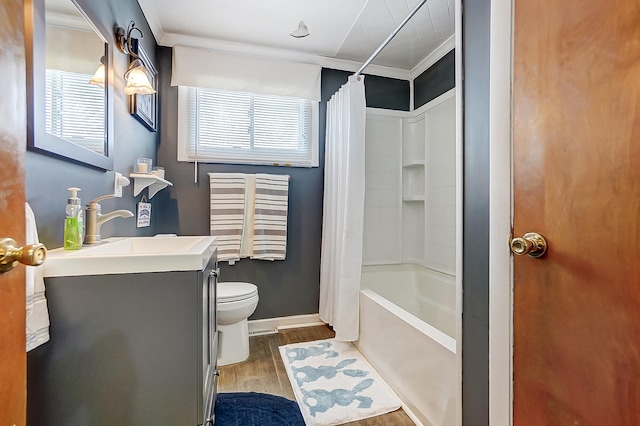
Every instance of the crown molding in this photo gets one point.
(433, 57)
(149, 12)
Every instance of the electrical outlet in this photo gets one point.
(117, 186)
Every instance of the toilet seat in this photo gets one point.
(235, 291)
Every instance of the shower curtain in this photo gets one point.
(342, 223)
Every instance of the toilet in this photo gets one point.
(236, 302)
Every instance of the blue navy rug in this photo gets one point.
(256, 409)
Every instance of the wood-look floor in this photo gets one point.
(264, 371)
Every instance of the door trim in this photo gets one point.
(459, 73)
(500, 215)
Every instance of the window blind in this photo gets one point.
(246, 128)
(75, 110)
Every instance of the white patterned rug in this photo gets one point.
(334, 384)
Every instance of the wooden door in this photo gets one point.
(12, 147)
(577, 182)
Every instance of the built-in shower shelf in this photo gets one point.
(413, 182)
(147, 180)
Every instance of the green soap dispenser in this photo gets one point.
(73, 222)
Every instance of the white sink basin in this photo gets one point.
(131, 255)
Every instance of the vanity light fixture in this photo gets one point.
(137, 79)
(99, 76)
(136, 76)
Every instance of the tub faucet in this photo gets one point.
(95, 219)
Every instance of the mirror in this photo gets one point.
(69, 111)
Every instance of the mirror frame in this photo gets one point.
(35, 42)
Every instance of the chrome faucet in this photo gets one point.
(95, 219)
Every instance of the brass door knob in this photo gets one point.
(532, 244)
(11, 255)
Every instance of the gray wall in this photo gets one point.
(436, 80)
(289, 287)
(381, 92)
(47, 178)
(475, 319)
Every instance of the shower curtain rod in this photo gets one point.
(393, 34)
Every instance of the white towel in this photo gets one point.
(37, 311)
(270, 222)
(227, 213)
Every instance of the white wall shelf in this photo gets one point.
(413, 182)
(144, 180)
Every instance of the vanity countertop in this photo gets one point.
(131, 255)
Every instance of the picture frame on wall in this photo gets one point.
(145, 107)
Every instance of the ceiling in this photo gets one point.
(346, 30)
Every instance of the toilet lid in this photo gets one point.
(233, 291)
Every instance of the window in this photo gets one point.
(75, 110)
(220, 126)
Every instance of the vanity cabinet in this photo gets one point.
(127, 349)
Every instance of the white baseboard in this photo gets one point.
(272, 325)
(411, 415)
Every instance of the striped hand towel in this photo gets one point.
(227, 212)
(270, 221)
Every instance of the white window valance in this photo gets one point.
(212, 69)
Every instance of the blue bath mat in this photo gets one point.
(256, 409)
(334, 384)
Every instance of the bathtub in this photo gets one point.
(407, 324)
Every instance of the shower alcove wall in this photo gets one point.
(410, 184)
(408, 284)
